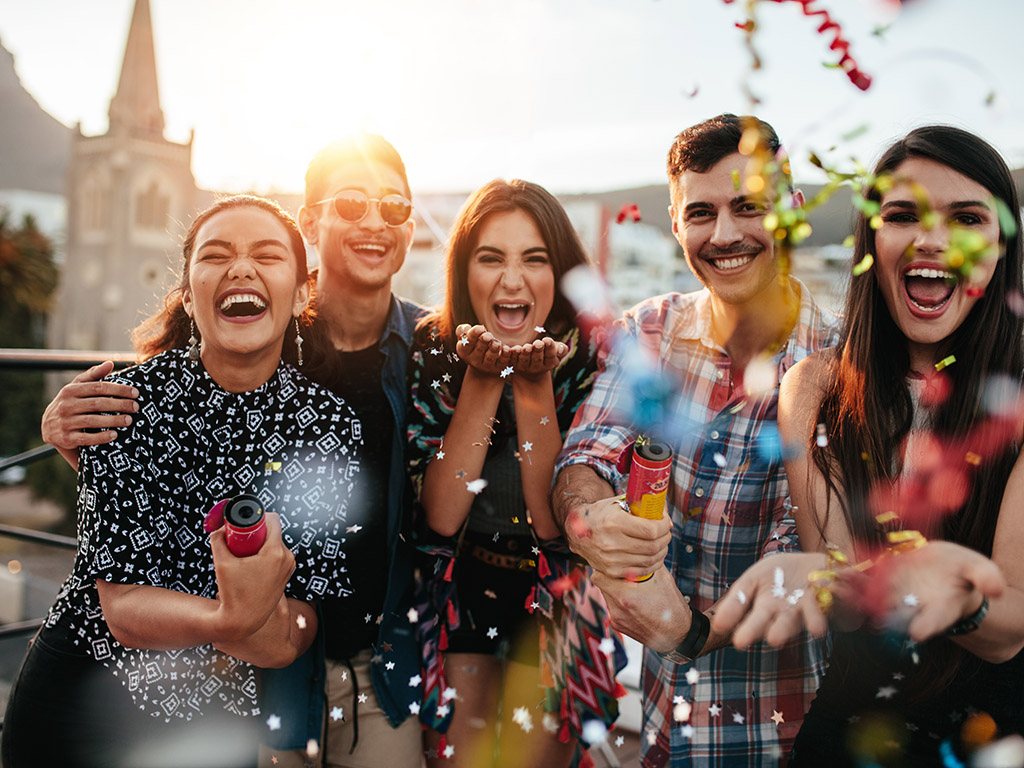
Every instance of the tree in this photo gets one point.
(28, 278)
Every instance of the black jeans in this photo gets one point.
(67, 710)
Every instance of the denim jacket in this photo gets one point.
(303, 680)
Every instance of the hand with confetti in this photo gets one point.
(538, 358)
(479, 348)
(924, 591)
(774, 600)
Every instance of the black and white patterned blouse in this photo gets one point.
(142, 500)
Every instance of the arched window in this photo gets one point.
(152, 208)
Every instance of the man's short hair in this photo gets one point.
(365, 147)
(701, 146)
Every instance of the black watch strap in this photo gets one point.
(693, 643)
(970, 623)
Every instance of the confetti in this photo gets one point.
(527, 446)
(506, 372)
(492, 632)
(594, 732)
(414, 708)
(544, 421)
(363, 698)
(687, 731)
(521, 717)
(312, 748)
(607, 646)
(539, 329)
(439, 455)
(449, 750)
(354, 529)
(337, 713)
(741, 596)
(714, 710)
(389, 666)
(911, 600)
(476, 486)
(737, 718)
(692, 675)
(945, 362)
(821, 436)
(778, 587)
(863, 265)
(300, 620)
(448, 694)
(719, 460)
(415, 680)
(777, 717)
(629, 211)
(620, 740)
(274, 723)
(681, 711)
(436, 383)
(443, 710)
(885, 692)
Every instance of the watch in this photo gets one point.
(693, 643)
(969, 623)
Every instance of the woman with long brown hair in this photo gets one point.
(497, 374)
(905, 462)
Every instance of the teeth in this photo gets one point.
(377, 248)
(739, 261)
(934, 274)
(511, 306)
(237, 298)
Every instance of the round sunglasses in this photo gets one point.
(353, 204)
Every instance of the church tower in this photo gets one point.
(130, 192)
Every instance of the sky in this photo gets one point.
(578, 95)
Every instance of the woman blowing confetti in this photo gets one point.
(497, 374)
(906, 478)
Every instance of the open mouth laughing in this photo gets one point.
(511, 316)
(242, 305)
(928, 290)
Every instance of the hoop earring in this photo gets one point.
(193, 343)
(298, 343)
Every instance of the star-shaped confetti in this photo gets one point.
(448, 694)
(620, 740)
(506, 372)
(274, 723)
(692, 675)
(443, 710)
(714, 710)
(449, 750)
(538, 328)
(521, 717)
(354, 528)
(344, 675)
(607, 646)
(415, 680)
(527, 446)
(337, 713)
(687, 731)
(413, 615)
(476, 486)
(737, 718)
(544, 421)
(446, 378)
(439, 455)
(389, 666)
(885, 692)
(368, 618)
(911, 600)
(492, 632)
(777, 717)
(300, 621)
(414, 708)
(436, 383)
(363, 698)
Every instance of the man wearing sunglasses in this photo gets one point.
(358, 218)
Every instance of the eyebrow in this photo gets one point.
(735, 201)
(231, 246)
(381, 191)
(957, 206)
(492, 249)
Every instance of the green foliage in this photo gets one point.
(28, 278)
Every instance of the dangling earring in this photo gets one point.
(298, 343)
(193, 343)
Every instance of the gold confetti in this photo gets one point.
(972, 458)
(272, 466)
(945, 362)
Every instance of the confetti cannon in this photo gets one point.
(244, 522)
(650, 470)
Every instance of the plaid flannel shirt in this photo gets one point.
(729, 505)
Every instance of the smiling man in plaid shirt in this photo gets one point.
(723, 351)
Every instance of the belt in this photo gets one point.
(511, 562)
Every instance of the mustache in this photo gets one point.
(740, 249)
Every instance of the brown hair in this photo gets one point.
(499, 196)
(170, 327)
(365, 148)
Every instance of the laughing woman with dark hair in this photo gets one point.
(148, 656)
(911, 432)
